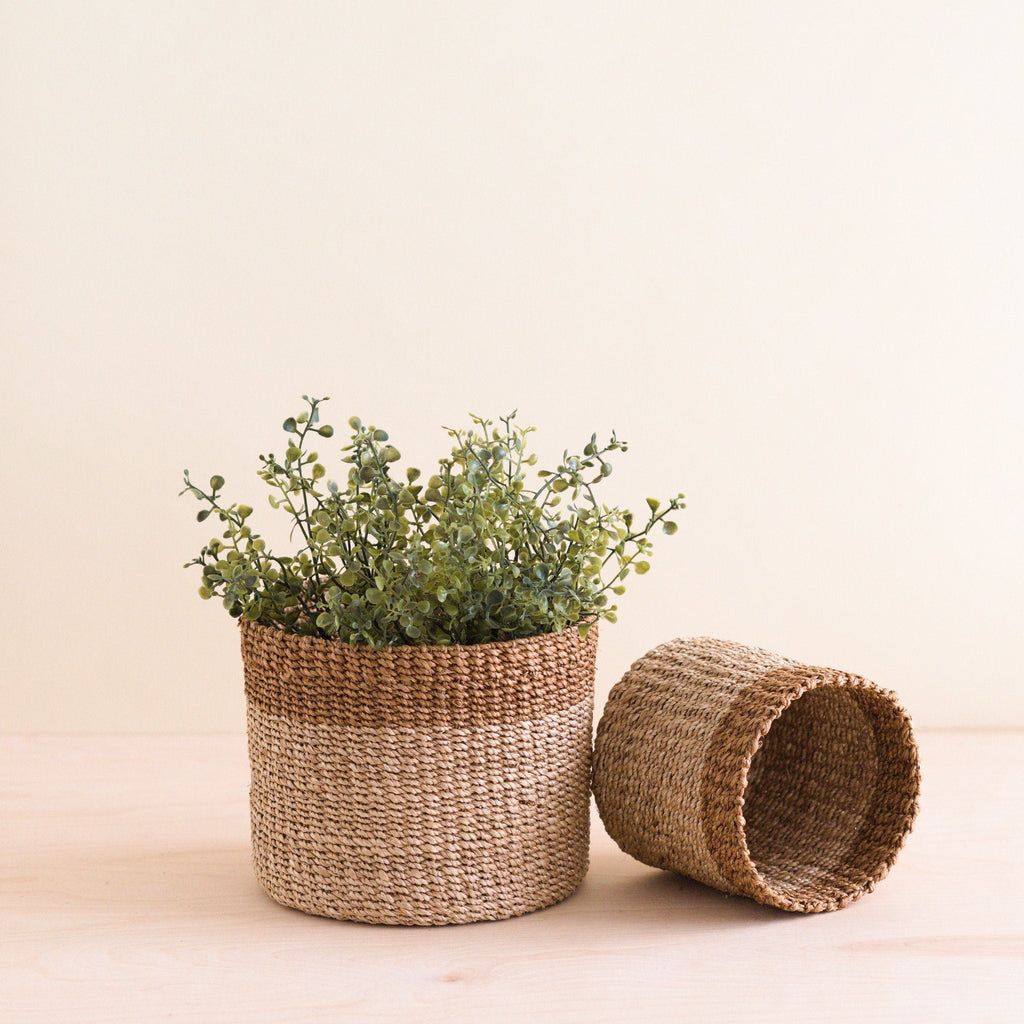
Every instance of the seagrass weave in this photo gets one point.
(755, 774)
(419, 785)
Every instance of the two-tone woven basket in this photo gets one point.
(419, 785)
(756, 774)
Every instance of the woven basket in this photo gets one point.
(419, 785)
(755, 774)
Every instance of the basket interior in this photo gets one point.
(830, 796)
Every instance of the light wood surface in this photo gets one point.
(126, 894)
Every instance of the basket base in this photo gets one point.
(394, 914)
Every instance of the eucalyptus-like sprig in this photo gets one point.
(473, 554)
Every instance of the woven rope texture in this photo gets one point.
(793, 785)
(419, 785)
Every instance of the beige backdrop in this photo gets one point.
(778, 247)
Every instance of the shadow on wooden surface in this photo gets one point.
(631, 894)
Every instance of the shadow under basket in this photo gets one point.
(787, 783)
(419, 785)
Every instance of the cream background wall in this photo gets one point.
(778, 247)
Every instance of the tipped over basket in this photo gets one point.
(419, 785)
(790, 784)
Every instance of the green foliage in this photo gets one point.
(472, 555)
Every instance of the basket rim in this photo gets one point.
(364, 649)
(791, 683)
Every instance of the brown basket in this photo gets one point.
(419, 785)
(750, 772)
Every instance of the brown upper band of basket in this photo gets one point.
(308, 679)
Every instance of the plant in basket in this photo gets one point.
(419, 672)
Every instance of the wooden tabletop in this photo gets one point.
(126, 894)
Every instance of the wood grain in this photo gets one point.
(126, 893)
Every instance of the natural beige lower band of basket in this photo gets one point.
(421, 825)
